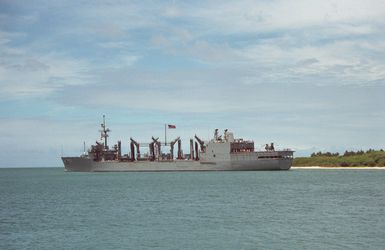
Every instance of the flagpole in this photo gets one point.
(165, 135)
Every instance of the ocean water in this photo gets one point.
(297, 209)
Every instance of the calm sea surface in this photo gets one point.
(297, 209)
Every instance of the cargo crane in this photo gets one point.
(118, 150)
(172, 148)
(180, 153)
(154, 146)
(202, 146)
(157, 144)
(152, 149)
(133, 142)
(201, 143)
(191, 149)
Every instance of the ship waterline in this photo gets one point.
(88, 165)
(219, 154)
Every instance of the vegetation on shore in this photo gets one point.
(370, 158)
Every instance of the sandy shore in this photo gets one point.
(318, 167)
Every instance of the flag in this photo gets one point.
(171, 126)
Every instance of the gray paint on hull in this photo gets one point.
(87, 165)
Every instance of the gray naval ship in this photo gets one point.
(222, 153)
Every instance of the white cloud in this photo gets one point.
(115, 45)
(30, 75)
(171, 11)
(262, 16)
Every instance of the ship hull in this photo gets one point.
(82, 164)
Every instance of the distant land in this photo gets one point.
(369, 158)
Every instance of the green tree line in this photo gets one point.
(371, 158)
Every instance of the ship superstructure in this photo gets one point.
(221, 153)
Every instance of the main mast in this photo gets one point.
(104, 132)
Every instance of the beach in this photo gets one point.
(344, 168)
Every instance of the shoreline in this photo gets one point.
(347, 168)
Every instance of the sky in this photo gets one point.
(306, 75)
